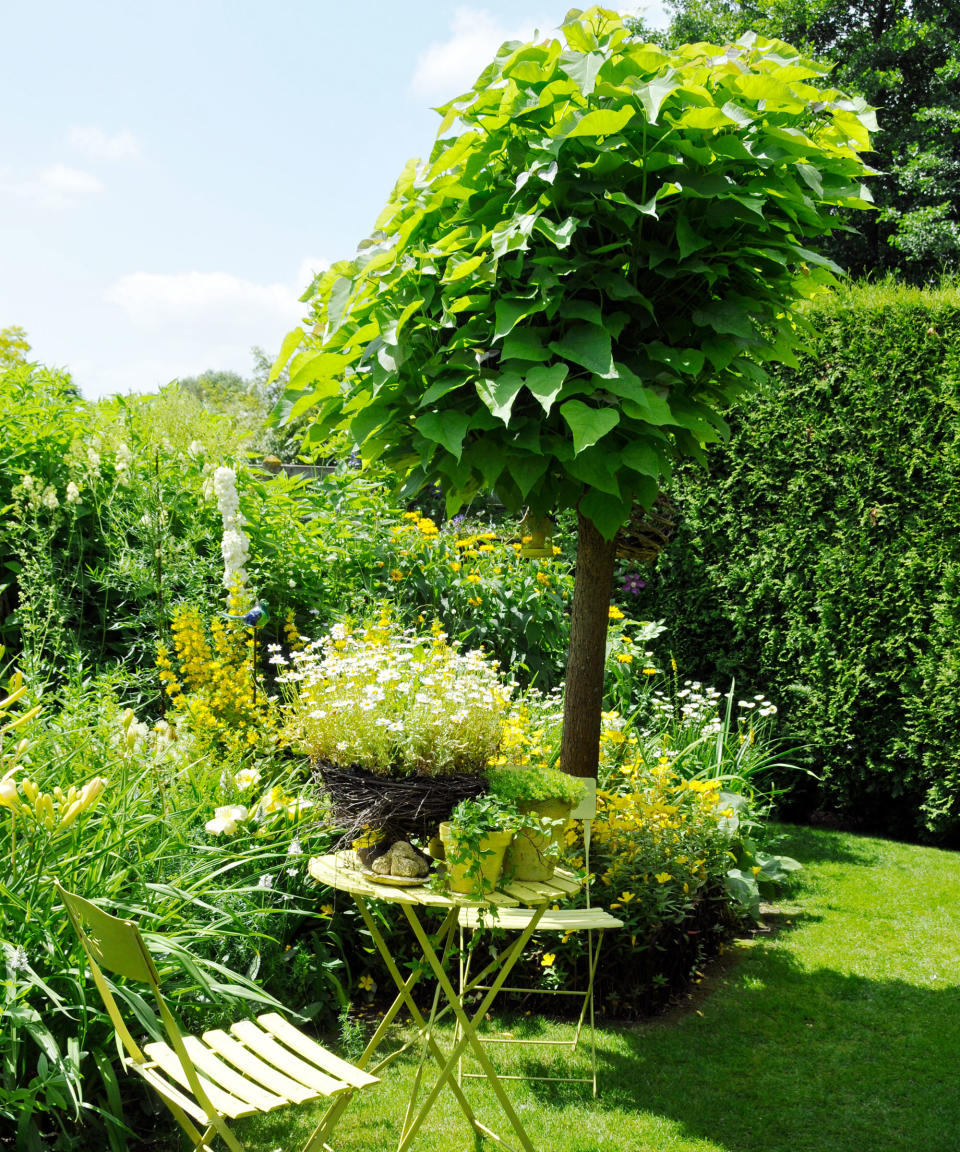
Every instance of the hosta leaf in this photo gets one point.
(587, 424)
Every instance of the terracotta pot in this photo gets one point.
(492, 849)
(533, 855)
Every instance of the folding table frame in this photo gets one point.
(340, 871)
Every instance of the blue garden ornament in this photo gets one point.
(255, 618)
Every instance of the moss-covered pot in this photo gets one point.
(533, 855)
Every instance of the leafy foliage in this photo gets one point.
(822, 559)
(558, 301)
(904, 57)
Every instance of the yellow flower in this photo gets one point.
(662, 877)
(615, 613)
(625, 658)
(365, 983)
(547, 959)
(326, 909)
(455, 565)
(649, 671)
(396, 575)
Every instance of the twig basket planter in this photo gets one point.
(647, 533)
(397, 807)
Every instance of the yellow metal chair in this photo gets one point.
(593, 921)
(255, 1067)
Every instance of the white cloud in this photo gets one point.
(154, 300)
(184, 323)
(54, 186)
(95, 143)
(449, 67)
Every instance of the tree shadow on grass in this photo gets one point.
(793, 1061)
(822, 846)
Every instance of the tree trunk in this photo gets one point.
(586, 656)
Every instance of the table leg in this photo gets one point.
(468, 1029)
(446, 932)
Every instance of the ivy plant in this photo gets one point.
(601, 252)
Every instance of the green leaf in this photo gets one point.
(653, 94)
(608, 515)
(642, 457)
(587, 345)
(545, 383)
(290, 344)
(602, 122)
(446, 428)
(440, 388)
(648, 405)
(582, 68)
(587, 424)
(560, 234)
(688, 240)
(307, 369)
(596, 468)
(524, 344)
(509, 311)
(526, 470)
(499, 393)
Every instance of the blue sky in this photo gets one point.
(171, 173)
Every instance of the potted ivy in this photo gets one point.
(475, 840)
(546, 797)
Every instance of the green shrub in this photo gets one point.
(820, 558)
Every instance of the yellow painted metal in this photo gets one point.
(253, 1068)
(531, 901)
(594, 921)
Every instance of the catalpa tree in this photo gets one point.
(604, 249)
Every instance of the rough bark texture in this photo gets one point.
(583, 701)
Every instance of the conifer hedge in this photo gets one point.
(819, 560)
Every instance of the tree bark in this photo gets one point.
(586, 656)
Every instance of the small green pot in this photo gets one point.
(533, 855)
(493, 846)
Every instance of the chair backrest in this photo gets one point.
(585, 811)
(117, 946)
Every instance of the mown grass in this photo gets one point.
(835, 1030)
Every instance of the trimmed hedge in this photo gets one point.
(820, 559)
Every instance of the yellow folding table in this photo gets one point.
(340, 870)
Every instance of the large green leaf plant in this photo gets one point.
(601, 252)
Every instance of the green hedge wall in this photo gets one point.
(819, 561)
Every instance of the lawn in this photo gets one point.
(835, 1029)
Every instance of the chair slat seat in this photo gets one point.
(566, 920)
(168, 1091)
(208, 1062)
(285, 1061)
(166, 1059)
(250, 1064)
(314, 1052)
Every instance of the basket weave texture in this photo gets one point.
(647, 532)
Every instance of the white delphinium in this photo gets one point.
(235, 546)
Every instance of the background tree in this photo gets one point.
(903, 56)
(558, 303)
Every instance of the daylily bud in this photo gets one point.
(9, 797)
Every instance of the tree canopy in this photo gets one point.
(557, 302)
(601, 252)
(903, 56)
